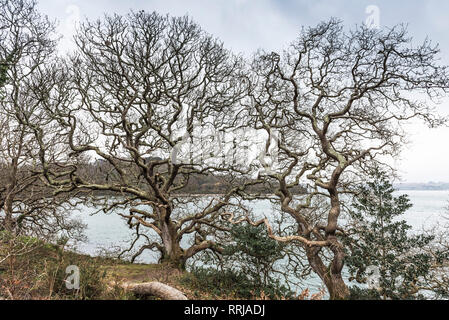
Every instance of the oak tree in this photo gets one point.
(148, 91)
(335, 101)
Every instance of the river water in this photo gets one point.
(109, 231)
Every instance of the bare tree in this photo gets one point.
(146, 86)
(336, 100)
(27, 205)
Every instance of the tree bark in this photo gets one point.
(172, 254)
(331, 276)
(154, 288)
(7, 208)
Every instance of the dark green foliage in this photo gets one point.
(4, 70)
(246, 268)
(379, 239)
(233, 283)
(357, 293)
(253, 245)
(3, 77)
(253, 252)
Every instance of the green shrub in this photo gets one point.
(378, 238)
(357, 293)
(246, 267)
(233, 283)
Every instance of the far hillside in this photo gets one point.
(423, 186)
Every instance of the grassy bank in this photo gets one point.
(40, 274)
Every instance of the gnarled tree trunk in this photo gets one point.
(156, 289)
(331, 276)
(172, 254)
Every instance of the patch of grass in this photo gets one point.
(41, 272)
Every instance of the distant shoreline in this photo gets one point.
(422, 186)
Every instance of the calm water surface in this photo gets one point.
(110, 231)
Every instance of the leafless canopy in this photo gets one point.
(337, 99)
(143, 84)
(125, 121)
(27, 47)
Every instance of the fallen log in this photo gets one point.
(154, 288)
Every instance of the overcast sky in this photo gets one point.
(247, 25)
